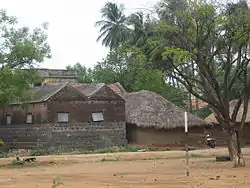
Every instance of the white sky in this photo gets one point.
(72, 35)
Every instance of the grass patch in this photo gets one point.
(20, 164)
(121, 150)
(109, 159)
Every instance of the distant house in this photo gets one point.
(152, 120)
(220, 134)
(57, 75)
(67, 115)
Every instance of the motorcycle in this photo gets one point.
(210, 141)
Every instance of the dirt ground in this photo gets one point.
(140, 170)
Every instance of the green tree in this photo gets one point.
(84, 74)
(113, 29)
(128, 65)
(216, 43)
(20, 51)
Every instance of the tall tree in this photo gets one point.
(84, 74)
(113, 28)
(19, 48)
(128, 65)
(215, 42)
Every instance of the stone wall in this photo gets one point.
(84, 136)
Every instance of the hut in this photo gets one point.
(152, 120)
(220, 134)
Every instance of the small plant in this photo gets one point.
(57, 182)
(110, 159)
(41, 149)
(2, 144)
(4, 155)
(16, 162)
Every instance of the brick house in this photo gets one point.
(67, 115)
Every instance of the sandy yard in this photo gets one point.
(143, 170)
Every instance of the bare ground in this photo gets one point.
(143, 170)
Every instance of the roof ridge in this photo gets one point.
(65, 84)
(96, 90)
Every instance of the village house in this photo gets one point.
(219, 133)
(153, 121)
(66, 115)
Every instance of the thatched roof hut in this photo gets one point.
(211, 118)
(148, 109)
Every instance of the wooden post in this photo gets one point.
(186, 145)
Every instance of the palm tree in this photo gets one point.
(113, 28)
(142, 28)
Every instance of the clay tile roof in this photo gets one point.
(87, 89)
(42, 93)
(117, 87)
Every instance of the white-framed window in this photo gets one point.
(28, 118)
(8, 119)
(97, 116)
(62, 117)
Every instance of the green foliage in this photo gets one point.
(4, 155)
(203, 112)
(109, 159)
(15, 162)
(41, 149)
(113, 28)
(84, 74)
(20, 50)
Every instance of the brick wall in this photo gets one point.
(70, 136)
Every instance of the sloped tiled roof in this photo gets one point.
(117, 88)
(87, 89)
(44, 92)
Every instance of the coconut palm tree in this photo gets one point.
(142, 28)
(113, 28)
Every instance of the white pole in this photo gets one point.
(186, 122)
(186, 145)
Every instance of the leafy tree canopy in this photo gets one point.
(21, 49)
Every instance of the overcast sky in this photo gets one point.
(72, 35)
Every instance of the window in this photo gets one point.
(29, 118)
(63, 117)
(8, 119)
(97, 116)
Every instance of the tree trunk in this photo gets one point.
(234, 149)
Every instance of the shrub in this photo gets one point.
(4, 155)
(41, 149)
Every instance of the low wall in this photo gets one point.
(70, 136)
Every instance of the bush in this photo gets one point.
(41, 149)
(4, 155)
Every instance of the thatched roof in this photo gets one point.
(148, 109)
(211, 118)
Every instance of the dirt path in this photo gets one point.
(90, 172)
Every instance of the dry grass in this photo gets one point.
(129, 171)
